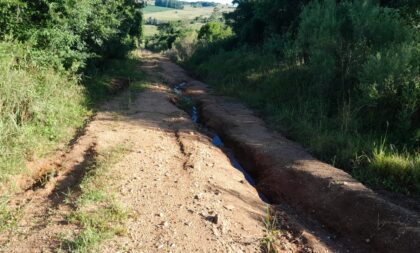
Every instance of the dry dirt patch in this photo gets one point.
(285, 172)
(180, 193)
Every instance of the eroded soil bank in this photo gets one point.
(174, 191)
(285, 172)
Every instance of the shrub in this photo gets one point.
(363, 59)
(337, 76)
(38, 107)
(213, 31)
(74, 31)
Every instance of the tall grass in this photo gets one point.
(290, 102)
(39, 107)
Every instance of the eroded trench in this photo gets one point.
(56, 180)
(186, 103)
(303, 227)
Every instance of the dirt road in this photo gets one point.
(180, 193)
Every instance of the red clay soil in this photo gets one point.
(285, 171)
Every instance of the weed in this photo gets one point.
(39, 108)
(47, 106)
(185, 103)
(268, 243)
(8, 218)
(398, 171)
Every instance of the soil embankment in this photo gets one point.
(284, 171)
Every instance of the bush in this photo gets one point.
(363, 59)
(214, 31)
(38, 107)
(45, 48)
(165, 39)
(337, 76)
(71, 32)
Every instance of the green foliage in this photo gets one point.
(168, 34)
(11, 16)
(37, 107)
(337, 76)
(365, 59)
(68, 33)
(203, 4)
(256, 21)
(100, 81)
(99, 214)
(175, 4)
(45, 48)
(213, 31)
(390, 93)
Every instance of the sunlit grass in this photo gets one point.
(284, 96)
(98, 212)
(8, 218)
(398, 171)
(39, 108)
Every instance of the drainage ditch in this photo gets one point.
(186, 103)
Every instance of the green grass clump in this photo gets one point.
(394, 170)
(98, 212)
(271, 231)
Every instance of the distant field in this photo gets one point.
(150, 30)
(163, 14)
(188, 13)
(153, 9)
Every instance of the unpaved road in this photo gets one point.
(182, 192)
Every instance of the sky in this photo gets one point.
(218, 1)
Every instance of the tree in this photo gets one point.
(213, 31)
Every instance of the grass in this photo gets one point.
(153, 8)
(391, 169)
(268, 242)
(98, 212)
(285, 98)
(99, 81)
(188, 13)
(41, 108)
(150, 30)
(8, 218)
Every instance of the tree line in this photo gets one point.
(175, 4)
(73, 32)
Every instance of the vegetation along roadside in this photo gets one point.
(342, 78)
(57, 60)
